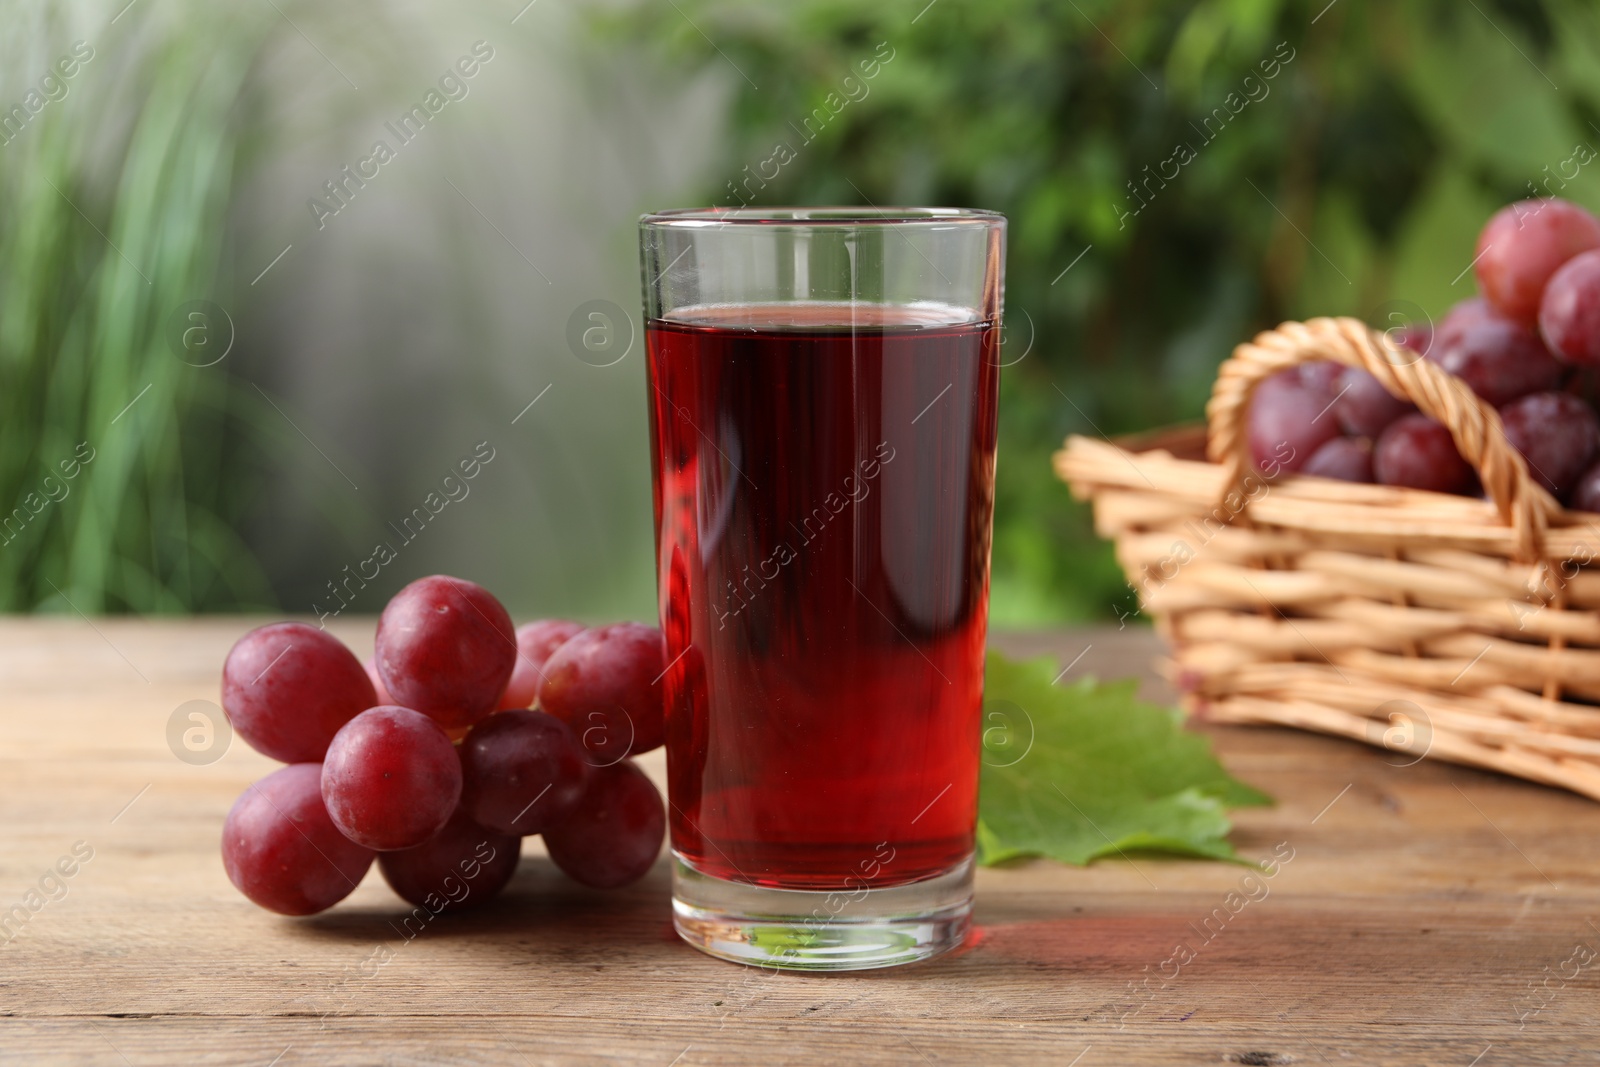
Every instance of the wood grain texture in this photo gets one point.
(1422, 910)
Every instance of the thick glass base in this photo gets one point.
(820, 930)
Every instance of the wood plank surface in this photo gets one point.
(1430, 915)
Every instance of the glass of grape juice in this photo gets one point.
(823, 386)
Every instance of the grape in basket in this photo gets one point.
(1515, 347)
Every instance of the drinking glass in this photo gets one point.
(823, 388)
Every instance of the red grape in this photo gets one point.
(1458, 318)
(1500, 359)
(1416, 339)
(1288, 421)
(1569, 317)
(282, 850)
(614, 836)
(1364, 407)
(605, 683)
(1585, 495)
(288, 687)
(1418, 453)
(1523, 245)
(377, 684)
(446, 648)
(535, 643)
(1349, 459)
(461, 866)
(521, 771)
(1556, 433)
(1320, 376)
(391, 778)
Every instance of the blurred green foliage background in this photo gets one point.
(1354, 181)
(1178, 175)
(120, 473)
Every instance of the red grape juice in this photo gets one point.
(824, 487)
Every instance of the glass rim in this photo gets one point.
(819, 217)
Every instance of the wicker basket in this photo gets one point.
(1437, 625)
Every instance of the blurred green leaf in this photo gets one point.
(1431, 256)
(1576, 65)
(1473, 74)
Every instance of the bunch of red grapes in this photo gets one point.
(1528, 345)
(431, 758)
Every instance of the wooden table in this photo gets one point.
(1430, 914)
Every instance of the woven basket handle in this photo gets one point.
(1523, 503)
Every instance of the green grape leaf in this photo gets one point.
(1079, 771)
